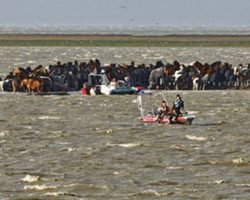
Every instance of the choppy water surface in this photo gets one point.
(11, 57)
(76, 147)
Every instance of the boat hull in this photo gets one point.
(123, 91)
(180, 120)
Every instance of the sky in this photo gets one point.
(125, 13)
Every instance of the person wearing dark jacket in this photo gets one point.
(178, 105)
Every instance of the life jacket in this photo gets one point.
(168, 110)
(165, 109)
(179, 104)
(84, 91)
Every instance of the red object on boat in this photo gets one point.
(180, 120)
(84, 91)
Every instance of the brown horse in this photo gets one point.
(169, 71)
(40, 71)
(19, 72)
(32, 85)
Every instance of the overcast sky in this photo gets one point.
(125, 12)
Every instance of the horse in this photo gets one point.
(179, 77)
(242, 75)
(156, 77)
(197, 83)
(32, 85)
(41, 71)
(1, 86)
(15, 83)
(207, 73)
(19, 72)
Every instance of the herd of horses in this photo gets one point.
(72, 75)
(198, 76)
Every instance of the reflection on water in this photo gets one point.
(76, 147)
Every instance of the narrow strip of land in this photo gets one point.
(125, 40)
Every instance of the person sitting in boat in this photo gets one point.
(85, 89)
(113, 82)
(162, 111)
(178, 105)
(128, 81)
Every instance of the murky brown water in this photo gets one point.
(33, 56)
(76, 147)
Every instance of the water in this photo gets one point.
(76, 147)
(33, 56)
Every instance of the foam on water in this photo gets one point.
(40, 187)
(48, 117)
(55, 194)
(197, 138)
(238, 161)
(30, 178)
(126, 145)
(3, 133)
(71, 149)
(2, 141)
(151, 192)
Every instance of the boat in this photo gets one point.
(153, 118)
(101, 81)
(188, 119)
(122, 89)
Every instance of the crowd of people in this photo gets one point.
(71, 76)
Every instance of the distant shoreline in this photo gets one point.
(124, 40)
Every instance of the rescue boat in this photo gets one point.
(153, 118)
(188, 119)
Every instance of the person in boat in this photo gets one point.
(128, 81)
(178, 106)
(113, 82)
(85, 89)
(162, 111)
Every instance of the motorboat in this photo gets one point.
(152, 117)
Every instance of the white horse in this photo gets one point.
(3, 83)
(242, 75)
(196, 83)
(178, 77)
(178, 73)
(1, 86)
(155, 77)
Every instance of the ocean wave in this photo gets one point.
(30, 179)
(39, 187)
(193, 137)
(48, 117)
(3, 133)
(125, 145)
(151, 193)
(236, 161)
